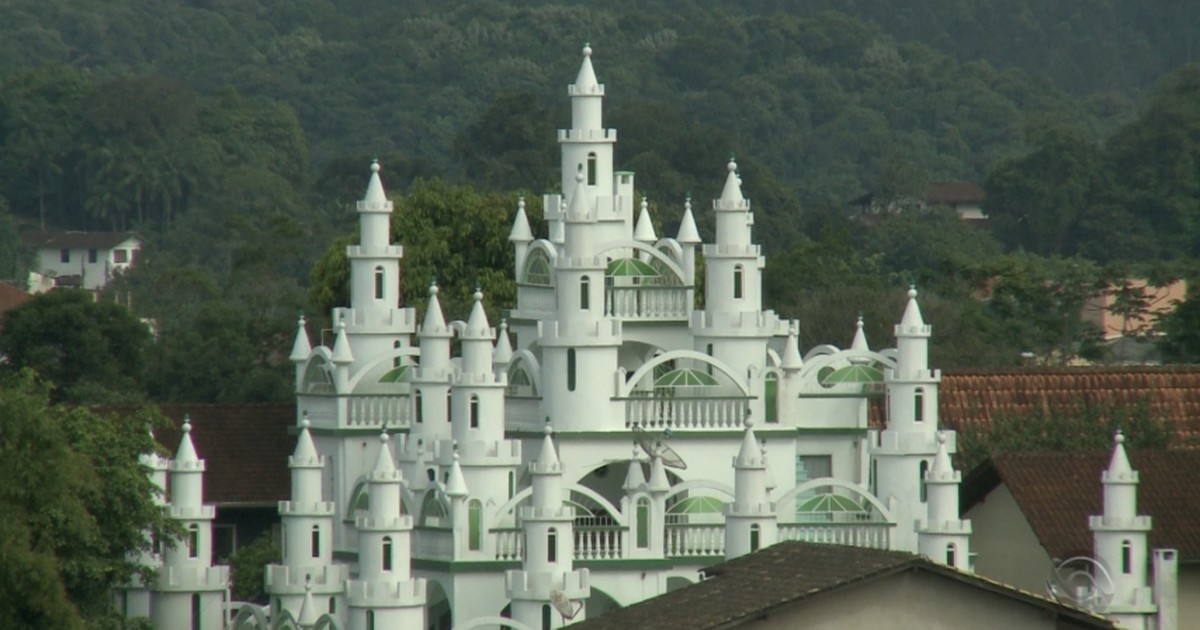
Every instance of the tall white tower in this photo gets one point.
(1120, 537)
(549, 549)
(307, 539)
(134, 599)
(750, 520)
(942, 536)
(189, 586)
(733, 264)
(385, 595)
(904, 451)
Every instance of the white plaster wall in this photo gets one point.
(1006, 547)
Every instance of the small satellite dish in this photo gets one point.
(1081, 582)
(565, 607)
(657, 447)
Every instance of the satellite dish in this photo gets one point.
(565, 607)
(656, 447)
(1081, 582)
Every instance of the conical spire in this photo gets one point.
(912, 312)
(306, 450)
(301, 348)
(750, 455)
(791, 350)
(580, 202)
(635, 478)
(688, 234)
(503, 353)
(645, 228)
(586, 81)
(1118, 466)
(942, 465)
(383, 463)
(308, 608)
(520, 229)
(375, 194)
(477, 323)
(341, 346)
(732, 193)
(548, 457)
(658, 476)
(434, 321)
(860, 337)
(187, 451)
(456, 484)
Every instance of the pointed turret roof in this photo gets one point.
(791, 350)
(1118, 466)
(187, 451)
(375, 194)
(645, 228)
(456, 484)
(658, 476)
(435, 321)
(942, 466)
(688, 234)
(301, 348)
(635, 478)
(477, 324)
(912, 312)
(860, 337)
(341, 346)
(732, 193)
(306, 450)
(503, 353)
(308, 609)
(586, 81)
(548, 457)
(520, 228)
(384, 463)
(580, 201)
(750, 454)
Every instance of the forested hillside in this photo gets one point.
(234, 134)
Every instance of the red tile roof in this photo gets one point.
(972, 397)
(1058, 492)
(742, 591)
(245, 448)
(950, 193)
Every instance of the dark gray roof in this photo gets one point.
(77, 240)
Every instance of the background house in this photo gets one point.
(85, 260)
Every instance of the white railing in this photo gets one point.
(872, 535)
(598, 543)
(510, 543)
(695, 540)
(374, 411)
(686, 413)
(646, 302)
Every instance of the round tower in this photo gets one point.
(1120, 536)
(942, 536)
(750, 520)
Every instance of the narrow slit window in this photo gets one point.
(316, 541)
(474, 411)
(755, 535)
(387, 553)
(552, 545)
(921, 472)
(418, 408)
(591, 169)
(475, 525)
(1126, 557)
(738, 274)
(919, 405)
(951, 554)
(448, 407)
(571, 370)
(379, 283)
(193, 541)
(584, 297)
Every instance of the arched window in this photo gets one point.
(737, 282)
(316, 541)
(196, 607)
(951, 554)
(474, 525)
(919, 405)
(396, 360)
(552, 545)
(584, 296)
(591, 169)
(755, 534)
(924, 468)
(193, 540)
(418, 408)
(432, 474)
(473, 410)
(643, 519)
(1126, 556)
(332, 605)
(448, 406)
(571, 369)
(379, 283)
(387, 553)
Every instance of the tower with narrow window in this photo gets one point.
(547, 570)
(942, 536)
(306, 539)
(429, 396)
(134, 599)
(750, 520)
(1121, 543)
(385, 595)
(904, 451)
(189, 587)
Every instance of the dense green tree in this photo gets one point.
(75, 506)
(92, 351)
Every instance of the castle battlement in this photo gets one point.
(536, 585)
(317, 509)
(398, 523)
(479, 379)
(479, 453)
(593, 333)
(395, 321)
(366, 251)
(189, 513)
(325, 579)
(386, 594)
(755, 510)
(1100, 523)
(176, 579)
(557, 513)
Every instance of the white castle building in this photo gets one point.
(607, 441)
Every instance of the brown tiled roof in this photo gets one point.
(245, 448)
(954, 192)
(742, 590)
(76, 240)
(1058, 492)
(972, 397)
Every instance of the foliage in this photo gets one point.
(1086, 425)
(75, 507)
(92, 351)
(248, 567)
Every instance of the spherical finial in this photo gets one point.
(456, 453)
(749, 421)
(301, 321)
(478, 294)
(732, 166)
(375, 165)
(941, 437)
(587, 49)
(859, 323)
(548, 430)
(384, 438)
(305, 423)
(579, 174)
(521, 202)
(433, 287)
(645, 203)
(187, 424)
(1120, 437)
(504, 324)
(912, 291)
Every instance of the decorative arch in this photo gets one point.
(789, 497)
(616, 514)
(434, 505)
(318, 372)
(662, 260)
(505, 515)
(817, 367)
(284, 621)
(251, 617)
(628, 386)
(525, 361)
(699, 484)
(360, 499)
(492, 622)
(388, 358)
(540, 261)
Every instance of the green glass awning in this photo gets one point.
(630, 267)
(854, 374)
(396, 375)
(686, 377)
(827, 503)
(698, 505)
